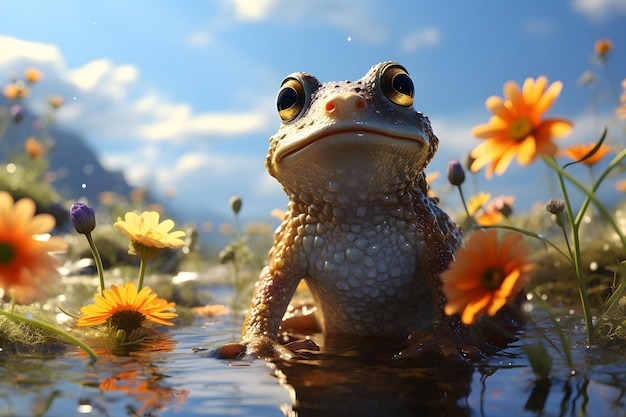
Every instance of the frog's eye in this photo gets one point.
(397, 86)
(291, 99)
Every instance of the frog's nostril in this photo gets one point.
(342, 104)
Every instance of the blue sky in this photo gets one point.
(181, 95)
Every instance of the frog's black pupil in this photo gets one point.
(287, 98)
(402, 83)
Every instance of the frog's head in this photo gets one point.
(350, 141)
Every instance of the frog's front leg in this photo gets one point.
(271, 297)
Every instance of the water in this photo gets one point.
(181, 376)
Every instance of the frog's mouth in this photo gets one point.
(357, 137)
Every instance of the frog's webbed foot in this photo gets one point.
(265, 347)
(449, 341)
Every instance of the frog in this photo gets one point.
(360, 227)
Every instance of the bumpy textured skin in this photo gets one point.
(360, 227)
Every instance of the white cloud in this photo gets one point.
(357, 18)
(14, 49)
(206, 178)
(253, 9)
(99, 100)
(175, 121)
(420, 39)
(105, 101)
(199, 39)
(599, 9)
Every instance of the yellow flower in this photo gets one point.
(430, 178)
(476, 202)
(494, 211)
(577, 152)
(126, 309)
(516, 128)
(148, 235)
(602, 47)
(26, 265)
(486, 274)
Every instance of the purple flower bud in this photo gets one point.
(83, 218)
(456, 175)
(17, 113)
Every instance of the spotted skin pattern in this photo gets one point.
(360, 228)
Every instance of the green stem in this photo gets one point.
(45, 326)
(463, 201)
(142, 272)
(590, 193)
(574, 227)
(98, 260)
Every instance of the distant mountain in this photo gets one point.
(77, 172)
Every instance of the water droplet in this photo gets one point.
(349, 38)
(83, 186)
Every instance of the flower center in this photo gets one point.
(520, 128)
(7, 252)
(127, 320)
(492, 278)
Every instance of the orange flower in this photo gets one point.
(56, 101)
(516, 128)
(621, 185)
(125, 308)
(486, 274)
(621, 110)
(16, 90)
(34, 148)
(211, 310)
(32, 75)
(602, 47)
(577, 152)
(26, 265)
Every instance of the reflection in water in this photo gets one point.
(353, 387)
(138, 377)
(171, 379)
(323, 385)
